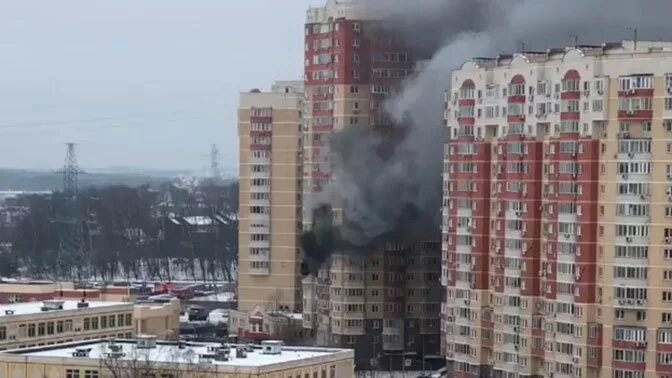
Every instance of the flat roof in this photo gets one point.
(170, 352)
(27, 308)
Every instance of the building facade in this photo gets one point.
(385, 304)
(557, 254)
(158, 319)
(351, 66)
(144, 358)
(269, 131)
(54, 322)
(260, 324)
(30, 291)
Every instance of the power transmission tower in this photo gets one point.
(70, 172)
(214, 161)
(68, 220)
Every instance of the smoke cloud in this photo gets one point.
(390, 187)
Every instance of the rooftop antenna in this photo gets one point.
(521, 45)
(575, 37)
(634, 36)
(214, 161)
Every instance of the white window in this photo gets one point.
(632, 251)
(634, 167)
(632, 230)
(629, 293)
(630, 272)
(632, 209)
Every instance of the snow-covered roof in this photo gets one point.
(220, 297)
(198, 221)
(28, 308)
(190, 354)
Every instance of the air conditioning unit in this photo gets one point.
(628, 239)
(450, 318)
(575, 360)
(586, 93)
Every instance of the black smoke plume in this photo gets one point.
(390, 187)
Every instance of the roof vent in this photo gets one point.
(115, 351)
(217, 353)
(146, 342)
(241, 352)
(50, 305)
(271, 347)
(9, 312)
(82, 304)
(81, 352)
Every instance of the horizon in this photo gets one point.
(160, 87)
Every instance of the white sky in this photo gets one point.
(142, 83)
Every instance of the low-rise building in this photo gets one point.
(257, 324)
(144, 357)
(159, 319)
(59, 321)
(55, 321)
(30, 291)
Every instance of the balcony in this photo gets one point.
(630, 303)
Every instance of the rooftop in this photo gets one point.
(166, 352)
(28, 308)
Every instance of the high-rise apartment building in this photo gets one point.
(269, 131)
(557, 214)
(384, 303)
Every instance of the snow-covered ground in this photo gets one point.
(219, 297)
(218, 316)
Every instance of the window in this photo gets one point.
(72, 373)
(629, 293)
(598, 105)
(50, 328)
(94, 323)
(632, 334)
(92, 374)
(3, 333)
(120, 320)
(31, 330)
(630, 272)
(632, 230)
(626, 355)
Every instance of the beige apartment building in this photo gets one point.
(557, 229)
(145, 357)
(269, 130)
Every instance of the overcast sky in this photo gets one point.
(142, 83)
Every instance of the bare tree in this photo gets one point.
(161, 361)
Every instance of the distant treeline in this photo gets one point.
(122, 232)
(24, 180)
